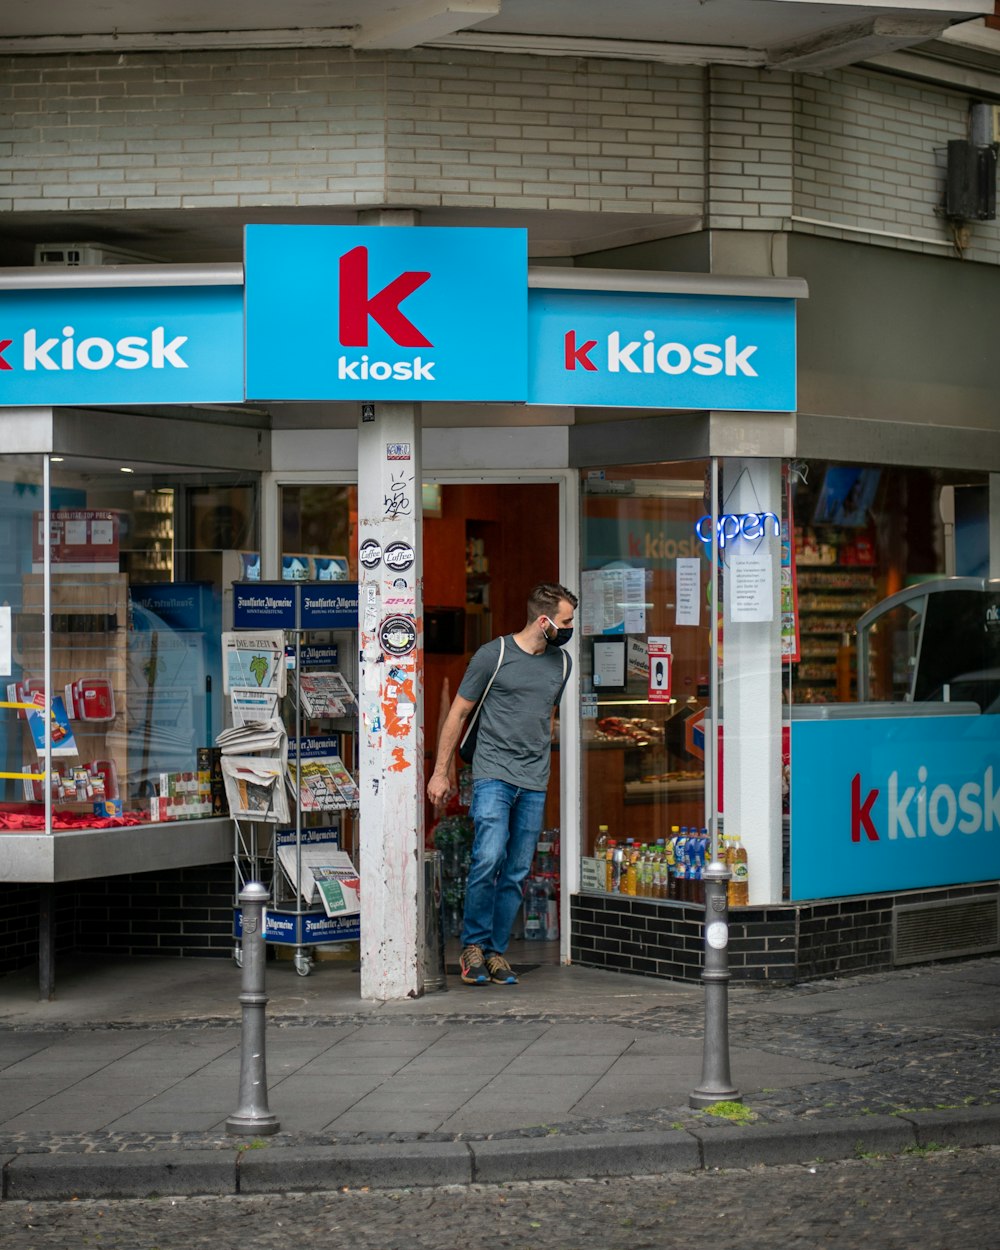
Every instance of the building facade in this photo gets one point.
(616, 166)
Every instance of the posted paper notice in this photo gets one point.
(751, 589)
(688, 591)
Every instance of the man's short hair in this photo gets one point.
(545, 599)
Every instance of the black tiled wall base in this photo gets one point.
(177, 912)
(782, 942)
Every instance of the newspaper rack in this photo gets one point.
(304, 859)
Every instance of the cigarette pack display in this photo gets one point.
(108, 772)
(91, 699)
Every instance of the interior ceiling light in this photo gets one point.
(124, 470)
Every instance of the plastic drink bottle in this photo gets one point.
(660, 870)
(551, 914)
(534, 911)
(609, 865)
(618, 871)
(631, 870)
(681, 865)
(601, 845)
(671, 863)
(739, 866)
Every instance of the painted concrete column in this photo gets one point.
(751, 672)
(390, 698)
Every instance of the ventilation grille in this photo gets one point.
(924, 931)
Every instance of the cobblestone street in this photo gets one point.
(937, 1200)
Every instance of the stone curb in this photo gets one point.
(278, 1169)
(387, 1165)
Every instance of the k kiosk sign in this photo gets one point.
(657, 350)
(386, 313)
(121, 345)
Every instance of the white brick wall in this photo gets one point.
(751, 154)
(325, 127)
(870, 156)
(859, 151)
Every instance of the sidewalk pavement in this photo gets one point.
(121, 1086)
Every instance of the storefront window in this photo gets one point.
(644, 661)
(319, 533)
(132, 611)
(863, 534)
(899, 670)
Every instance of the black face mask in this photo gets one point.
(561, 636)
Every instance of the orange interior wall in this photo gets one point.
(520, 524)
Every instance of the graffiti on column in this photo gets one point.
(398, 498)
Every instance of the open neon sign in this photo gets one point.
(733, 525)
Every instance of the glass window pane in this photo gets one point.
(644, 658)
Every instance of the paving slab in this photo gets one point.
(575, 1072)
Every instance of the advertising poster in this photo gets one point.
(660, 663)
(83, 540)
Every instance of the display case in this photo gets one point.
(148, 536)
(644, 777)
(836, 585)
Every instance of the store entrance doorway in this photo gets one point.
(486, 544)
(485, 547)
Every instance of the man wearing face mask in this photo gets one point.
(510, 771)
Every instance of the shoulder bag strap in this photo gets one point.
(474, 715)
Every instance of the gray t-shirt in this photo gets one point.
(515, 722)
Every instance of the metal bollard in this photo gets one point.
(252, 1115)
(716, 1084)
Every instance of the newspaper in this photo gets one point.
(326, 871)
(255, 660)
(255, 788)
(325, 694)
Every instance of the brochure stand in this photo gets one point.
(306, 860)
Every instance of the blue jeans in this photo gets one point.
(508, 821)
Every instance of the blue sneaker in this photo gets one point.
(472, 966)
(500, 970)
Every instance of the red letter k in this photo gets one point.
(383, 307)
(4, 344)
(861, 817)
(578, 355)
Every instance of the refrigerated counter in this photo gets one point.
(892, 796)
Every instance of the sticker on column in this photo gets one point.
(398, 635)
(371, 721)
(717, 935)
(398, 557)
(400, 599)
(397, 451)
(370, 620)
(660, 667)
(371, 656)
(370, 554)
